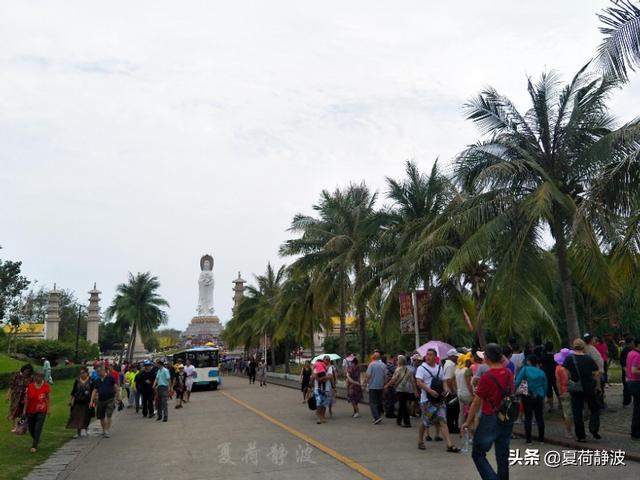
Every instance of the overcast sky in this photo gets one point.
(138, 136)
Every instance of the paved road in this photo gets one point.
(269, 434)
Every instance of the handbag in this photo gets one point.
(575, 387)
(523, 388)
(311, 403)
(21, 427)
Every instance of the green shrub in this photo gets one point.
(55, 350)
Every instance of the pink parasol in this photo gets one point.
(441, 347)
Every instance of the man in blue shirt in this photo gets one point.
(105, 393)
(164, 386)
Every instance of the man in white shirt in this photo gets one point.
(190, 370)
(430, 380)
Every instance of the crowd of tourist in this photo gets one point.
(479, 395)
(475, 395)
(147, 387)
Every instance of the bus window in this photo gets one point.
(203, 360)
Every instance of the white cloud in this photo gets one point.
(138, 136)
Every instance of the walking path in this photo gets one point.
(245, 431)
(615, 423)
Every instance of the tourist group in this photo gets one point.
(146, 386)
(479, 395)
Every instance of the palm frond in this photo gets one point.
(619, 52)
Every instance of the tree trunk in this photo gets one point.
(287, 353)
(477, 299)
(362, 323)
(482, 338)
(312, 347)
(568, 300)
(343, 320)
(361, 312)
(273, 356)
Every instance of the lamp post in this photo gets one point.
(78, 333)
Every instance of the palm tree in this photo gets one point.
(546, 171)
(619, 51)
(419, 204)
(341, 240)
(257, 315)
(324, 264)
(302, 307)
(269, 287)
(137, 307)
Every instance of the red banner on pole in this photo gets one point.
(422, 303)
(406, 313)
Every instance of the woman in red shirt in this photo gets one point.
(37, 404)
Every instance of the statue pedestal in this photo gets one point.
(139, 352)
(203, 329)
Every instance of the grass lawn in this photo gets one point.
(15, 459)
(8, 364)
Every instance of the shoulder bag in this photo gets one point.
(575, 387)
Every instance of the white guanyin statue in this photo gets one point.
(205, 287)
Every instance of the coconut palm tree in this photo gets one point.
(545, 172)
(257, 315)
(419, 202)
(137, 307)
(339, 242)
(619, 51)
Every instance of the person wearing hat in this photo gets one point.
(144, 385)
(584, 375)
(592, 351)
(453, 407)
(562, 387)
(414, 402)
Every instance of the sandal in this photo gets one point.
(428, 439)
(421, 446)
(438, 439)
(453, 449)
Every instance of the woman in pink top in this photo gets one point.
(603, 350)
(562, 383)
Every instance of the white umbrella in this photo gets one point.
(332, 356)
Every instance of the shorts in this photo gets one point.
(323, 398)
(433, 414)
(105, 408)
(565, 406)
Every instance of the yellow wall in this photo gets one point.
(26, 328)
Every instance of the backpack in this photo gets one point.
(436, 385)
(509, 408)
